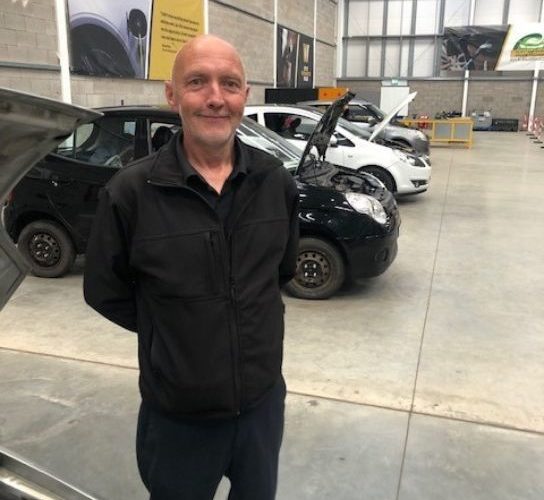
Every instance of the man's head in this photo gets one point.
(209, 91)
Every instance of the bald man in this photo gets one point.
(189, 249)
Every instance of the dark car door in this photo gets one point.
(159, 130)
(82, 164)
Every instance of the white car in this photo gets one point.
(401, 173)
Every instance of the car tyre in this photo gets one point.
(382, 175)
(47, 248)
(320, 270)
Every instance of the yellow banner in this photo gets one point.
(173, 23)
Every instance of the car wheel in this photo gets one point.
(382, 175)
(47, 248)
(320, 270)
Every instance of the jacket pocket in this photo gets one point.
(192, 356)
(185, 265)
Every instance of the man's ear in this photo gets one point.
(248, 88)
(169, 92)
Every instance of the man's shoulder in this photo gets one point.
(259, 159)
(132, 176)
(260, 162)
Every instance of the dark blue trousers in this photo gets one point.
(185, 460)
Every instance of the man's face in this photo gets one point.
(209, 92)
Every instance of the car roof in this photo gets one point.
(136, 109)
(327, 102)
(279, 105)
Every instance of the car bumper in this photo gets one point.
(410, 179)
(371, 256)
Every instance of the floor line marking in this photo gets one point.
(431, 284)
(308, 395)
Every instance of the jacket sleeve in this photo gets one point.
(108, 285)
(289, 262)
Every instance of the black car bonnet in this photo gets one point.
(323, 132)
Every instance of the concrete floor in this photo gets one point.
(426, 383)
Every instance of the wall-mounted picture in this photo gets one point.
(472, 47)
(132, 38)
(287, 57)
(294, 59)
(523, 47)
(173, 23)
(109, 38)
(305, 62)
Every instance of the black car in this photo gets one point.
(349, 222)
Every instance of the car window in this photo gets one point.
(253, 117)
(352, 128)
(375, 111)
(321, 107)
(342, 140)
(161, 132)
(66, 148)
(290, 126)
(260, 137)
(108, 141)
(357, 113)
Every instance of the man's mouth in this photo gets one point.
(214, 116)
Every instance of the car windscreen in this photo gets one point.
(347, 125)
(352, 128)
(380, 115)
(259, 137)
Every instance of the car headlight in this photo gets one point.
(367, 205)
(404, 157)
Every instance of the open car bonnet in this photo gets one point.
(30, 127)
(380, 126)
(323, 132)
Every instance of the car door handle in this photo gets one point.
(55, 180)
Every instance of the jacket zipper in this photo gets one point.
(236, 343)
(230, 286)
(213, 258)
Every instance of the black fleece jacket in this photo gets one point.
(206, 303)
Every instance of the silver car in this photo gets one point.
(367, 115)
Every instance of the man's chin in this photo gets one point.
(214, 140)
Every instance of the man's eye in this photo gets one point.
(232, 84)
(195, 81)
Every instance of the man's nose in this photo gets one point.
(215, 95)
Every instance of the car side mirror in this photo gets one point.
(333, 143)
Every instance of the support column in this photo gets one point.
(535, 82)
(467, 72)
(64, 57)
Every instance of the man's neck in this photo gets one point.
(215, 165)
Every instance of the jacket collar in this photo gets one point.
(166, 168)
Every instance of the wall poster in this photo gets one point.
(173, 24)
(514, 47)
(294, 59)
(524, 45)
(472, 47)
(130, 39)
